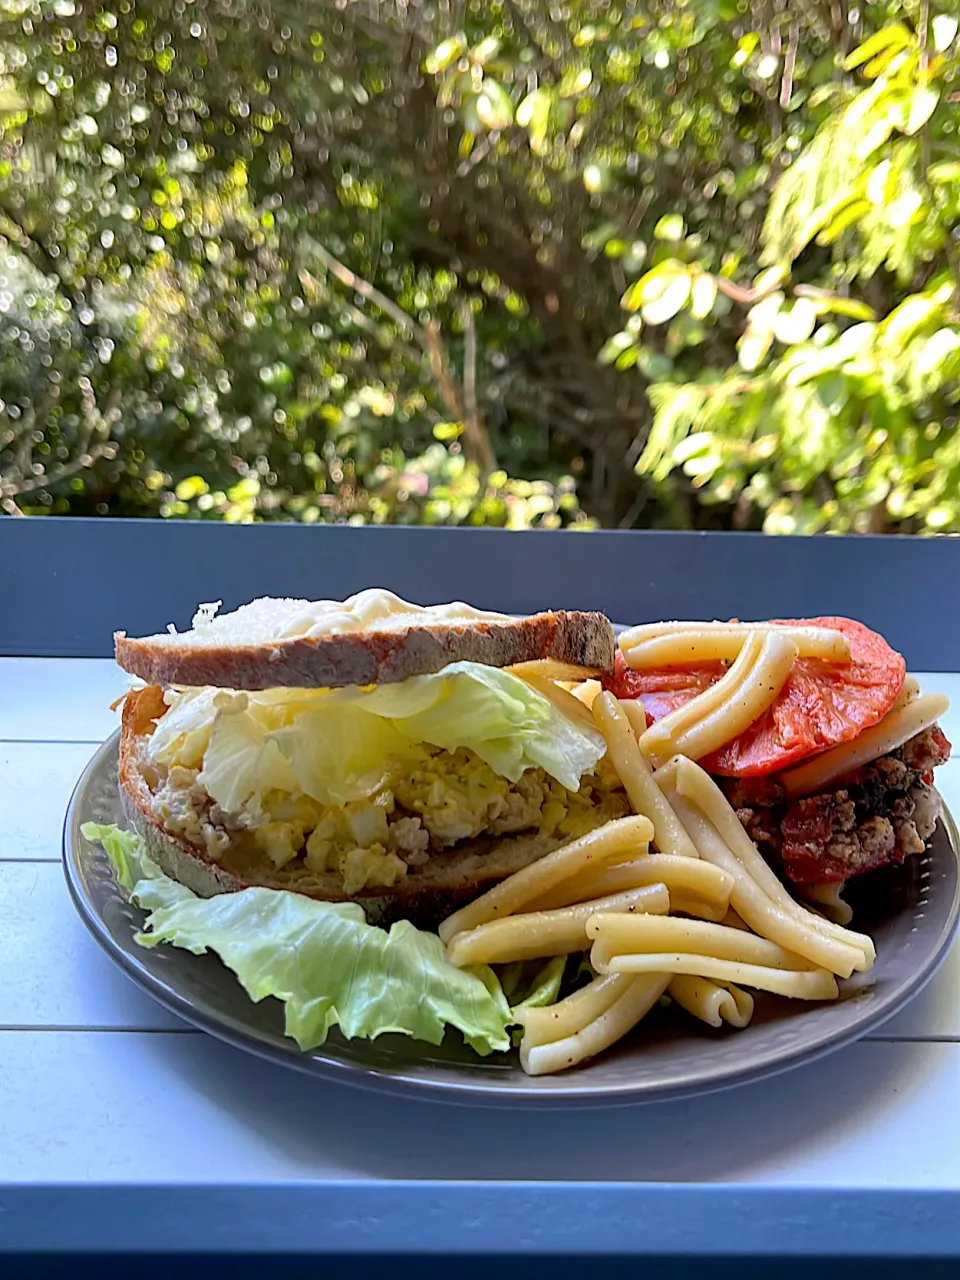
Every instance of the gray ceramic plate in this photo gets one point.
(910, 911)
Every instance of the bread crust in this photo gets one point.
(425, 896)
(370, 657)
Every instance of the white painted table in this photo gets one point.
(204, 1147)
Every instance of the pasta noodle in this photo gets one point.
(905, 721)
(552, 669)
(587, 692)
(637, 778)
(728, 707)
(696, 785)
(827, 897)
(810, 984)
(691, 877)
(574, 1012)
(636, 715)
(616, 935)
(622, 1016)
(535, 935)
(766, 917)
(561, 698)
(733, 921)
(711, 1002)
(696, 907)
(671, 644)
(615, 840)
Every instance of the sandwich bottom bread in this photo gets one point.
(408, 797)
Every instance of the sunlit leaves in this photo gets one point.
(661, 292)
(889, 39)
(538, 166)
(446, 53)
(795, 323)
(944, 26)
(703, 295)
(494, 108)
(670, 227)
(923, 103)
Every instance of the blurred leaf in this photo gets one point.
(670, 227)
(446, 53)
(614, 347)
(894, 36)
(945, 171)
(795, 324)
(494, 107)
(944, 27)
(847, 217)
(851, 307)
(191, 487)
(703, 295)
(660, 293)
(447, 431)
(664, 302)
(753, 347)
(923, 103)
(574, 81)
(597, 239)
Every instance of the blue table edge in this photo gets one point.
(513, 1218)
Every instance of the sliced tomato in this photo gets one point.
(821, 704)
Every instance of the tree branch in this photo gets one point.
(370, 292)
(789, 65)
(15, 488)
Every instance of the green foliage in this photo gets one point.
(841, 414)
(671, 262)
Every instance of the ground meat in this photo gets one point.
(521, 808)
(926, 750)
(752, 793)
(413, 842)
(883, 813)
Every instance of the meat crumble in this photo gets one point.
(882, 813)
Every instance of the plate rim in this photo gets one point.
(564, 1093)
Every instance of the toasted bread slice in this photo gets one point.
(425, 896)
(270, 643)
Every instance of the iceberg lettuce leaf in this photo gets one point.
(322, 960)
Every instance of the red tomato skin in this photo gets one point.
(821, 704)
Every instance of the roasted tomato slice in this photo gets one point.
(821, 704)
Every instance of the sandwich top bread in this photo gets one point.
(373, 637)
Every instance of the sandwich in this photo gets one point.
(371, 751)
(347, 800)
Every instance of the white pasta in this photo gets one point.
(637, 778)
(728, 707)
(690, 877)
(810, 984)
(623, 1015)
(671, 644)
(614, 841)
(573, 1013)
(713, 1003)
(616, 935)
(535, 935)
(829, 898)
(696, 785)
(760, 913)
(703, 917)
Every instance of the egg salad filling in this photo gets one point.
(369, 783)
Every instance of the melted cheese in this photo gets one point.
(372, 610)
